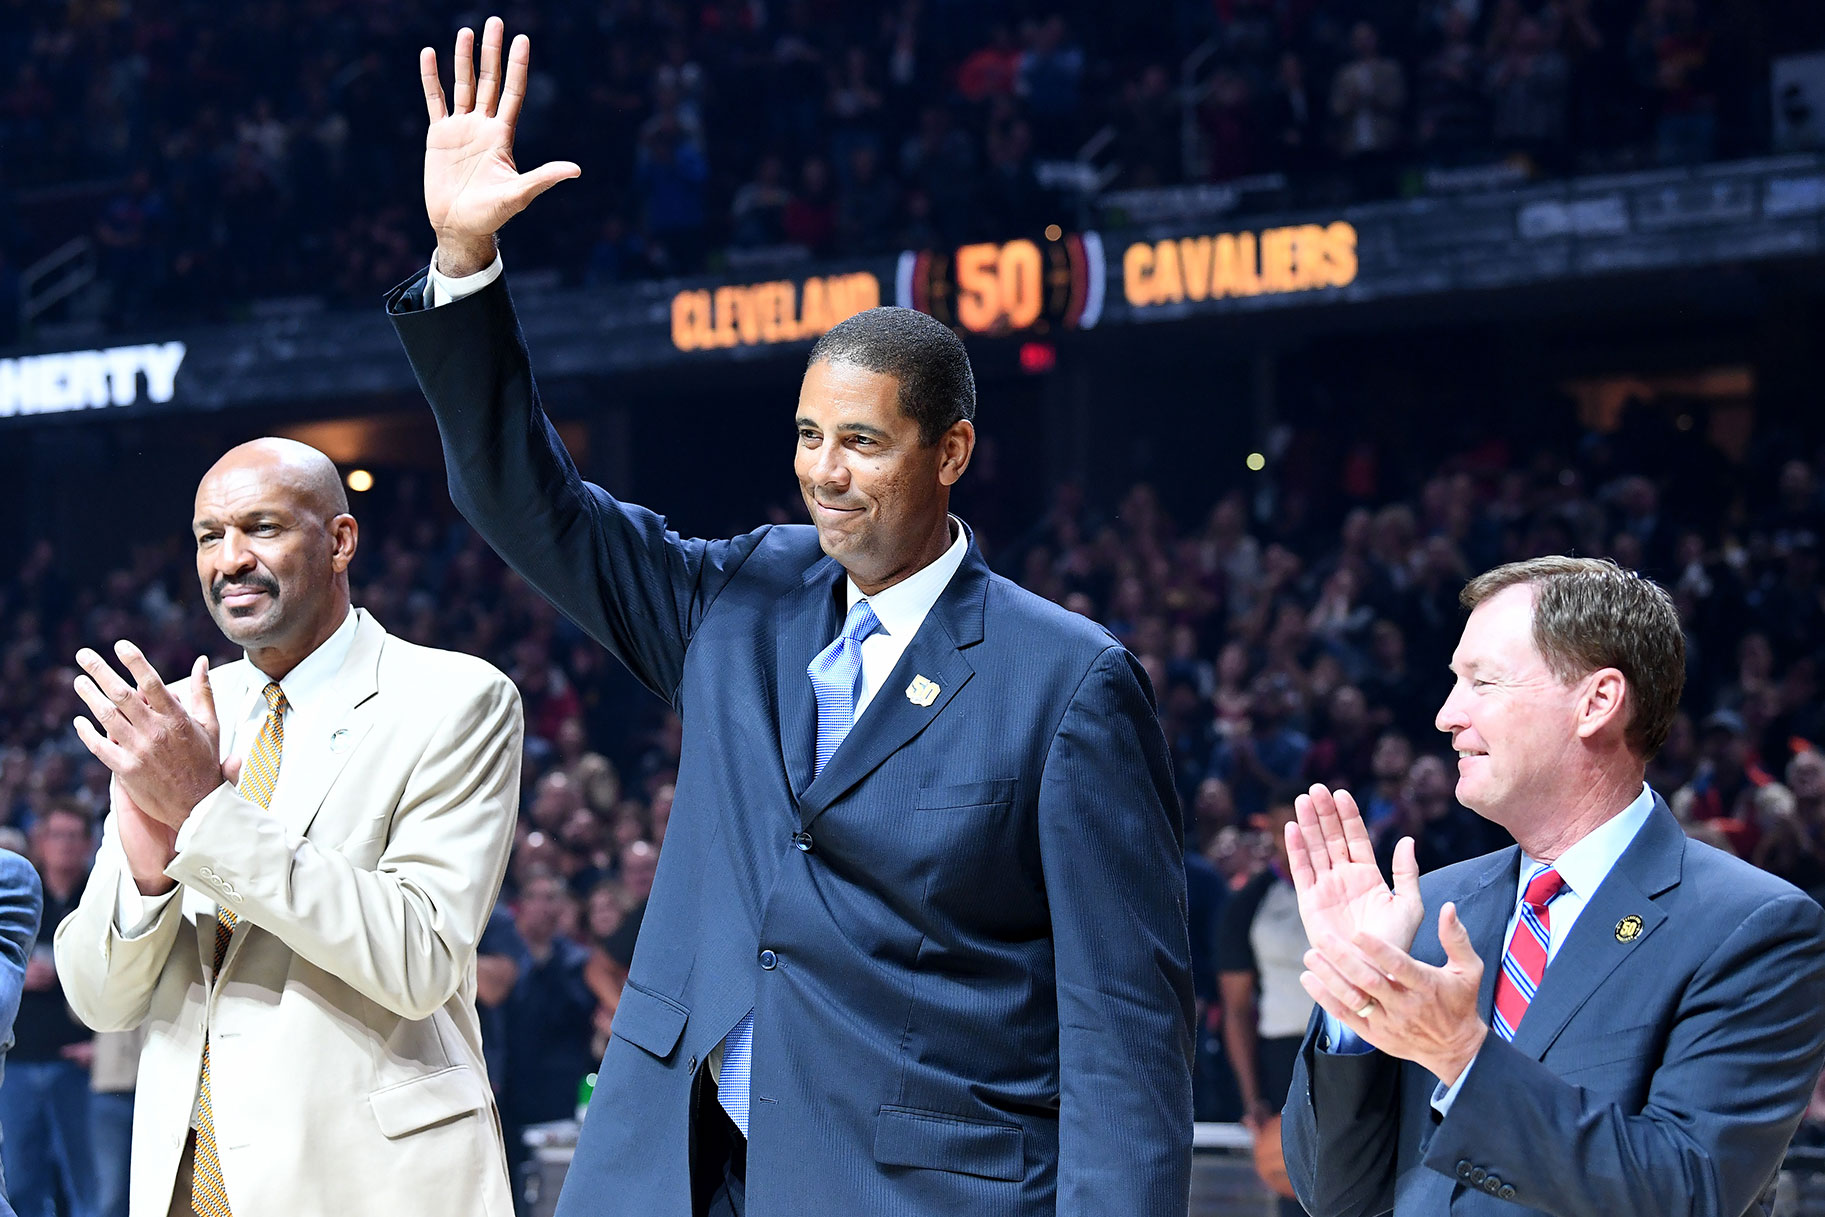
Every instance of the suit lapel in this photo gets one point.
(893, 718)
(311, 764)
(806, 619)
(1485, 913)
(1649, 866)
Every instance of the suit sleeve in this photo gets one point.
(107, 977)
(1732, 1084)
(615, 569)
(404, 935)
(21, 905)
(1112, 852)
(1340, 1130)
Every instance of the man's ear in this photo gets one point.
(1605, 704)
(345, 534)
(955, 448)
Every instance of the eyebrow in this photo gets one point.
(258, 513)
(848, 428)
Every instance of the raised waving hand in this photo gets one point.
(1341, 891)
(472, 186)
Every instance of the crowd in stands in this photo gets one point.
(214, 155)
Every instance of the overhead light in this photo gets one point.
(1256, 462)
(1053, 232)
(360, 480)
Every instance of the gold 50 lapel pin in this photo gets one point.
(922, 692)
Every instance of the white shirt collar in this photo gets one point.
(1588, 862)
(901, 609)
(316, 672)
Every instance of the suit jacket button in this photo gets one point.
(1477, 1175)
(1463, 1168)
(803, 841)
(691, 1065)
(1493, 1185)
(769, 960)
(1507, 1192)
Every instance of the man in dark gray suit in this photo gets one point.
(21, 901)
(917, 943)
(1647, 1031)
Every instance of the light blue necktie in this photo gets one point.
(834, 673)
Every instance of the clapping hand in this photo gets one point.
(472, 186)
(162, 753)
(1341, 891)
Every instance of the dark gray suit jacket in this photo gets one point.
(1661, 1076)
(972, 986)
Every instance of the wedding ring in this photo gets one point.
(1366, 1010)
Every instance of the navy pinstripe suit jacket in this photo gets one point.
(979, 998)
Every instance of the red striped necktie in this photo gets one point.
(1525, 962)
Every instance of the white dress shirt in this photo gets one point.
(1583, 867)
(306, 688)
(443, 289)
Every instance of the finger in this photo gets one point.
(202, 698)
(1406, 869)
(488, 87)
(151, 685)
(1392, 962)
(464, 80)
(1306, 815)
(434, 88)
(1336, 1009)
(1346, 991)
(1303, 875)
(1330, 826)
(106, 712)
(1355, 832)
(538, 181)
(513, 88)
(1456, 940)
(231, 771)
(112, 687)
(106, 750)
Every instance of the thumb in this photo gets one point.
(202, 695)
(1456, 940)
(1406, 870)
(231, 771)
(535, 182)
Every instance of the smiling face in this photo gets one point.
(879, 496)
(272, 551)
(1513, 722)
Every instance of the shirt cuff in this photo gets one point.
(442, 289)
(1341, 1041)
(1444, 1096)
(186, 832)
(134, 912)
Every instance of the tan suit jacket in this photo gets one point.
(345, 1053)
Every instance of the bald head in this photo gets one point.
(302, 471)
(273, 544)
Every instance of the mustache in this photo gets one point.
(263, 583)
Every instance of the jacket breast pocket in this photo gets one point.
(406, 1107)
(967, 794)
(649, 1020)
(1583, 1056)
(906, 1136)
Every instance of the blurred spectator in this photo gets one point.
(1444, 831)
(113, 1076)
(810, 217)
(44, 1097)
(670, 176)
(550, 1017)
(1367, 97)
(499, 957)
(1450, 102)
(1263, 753)
(1260, 948)
(758, 212)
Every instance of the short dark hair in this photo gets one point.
(1588, 614)
(937, 388)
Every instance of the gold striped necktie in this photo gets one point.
(259, 778)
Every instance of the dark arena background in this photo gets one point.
(1287, 316)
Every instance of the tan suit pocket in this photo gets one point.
(407, 1107)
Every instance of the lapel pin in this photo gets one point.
(339, 739)
(921, 692)
(1628, 929)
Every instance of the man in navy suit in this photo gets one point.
(917, 943)
(1608, 1020)
(21, 901)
